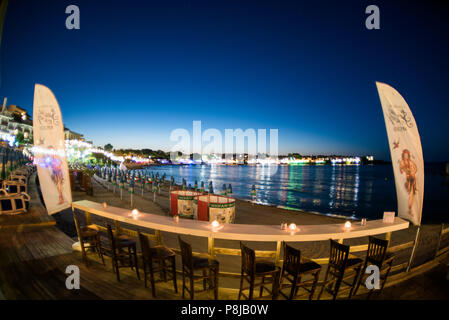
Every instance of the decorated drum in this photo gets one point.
(181, 203)
(214, 207)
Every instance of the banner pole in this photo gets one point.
(412, 256)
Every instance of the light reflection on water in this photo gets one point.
(352, 191)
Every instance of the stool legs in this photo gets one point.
(293, 290)
(261, 287)
(183, 284)
(173, 262)
(216, 283)
(315, 282)
(135, 261)
(357, 279)
(324, 283)
(241, 285)
(98, 248)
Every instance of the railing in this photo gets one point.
(440, 251)
(243, 232)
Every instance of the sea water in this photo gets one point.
(352, 191)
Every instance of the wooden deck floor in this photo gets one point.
(34, 255)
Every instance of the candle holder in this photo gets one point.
(348, 225)
(216, 225)
(363, 222)
(105, 205)
(292, 227)
(134, 214)
(176, 218)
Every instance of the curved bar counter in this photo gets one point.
(244, 232)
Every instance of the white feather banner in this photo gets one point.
(49, 151)
(406, 153)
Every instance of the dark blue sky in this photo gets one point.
(136, 70)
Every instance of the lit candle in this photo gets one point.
(292, 227)
(135, 213)
(215, 224)
(347, 224)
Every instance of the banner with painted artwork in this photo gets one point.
(406, 153)
(49, 151)
(222, 212)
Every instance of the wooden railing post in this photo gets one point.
(388, 237)
(278, 253)
(88, 217)
(158, 235)
(439, 240)
(117, 228)
(210, 246)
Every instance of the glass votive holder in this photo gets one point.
(105, 205)
(363, 222)
(176, 218)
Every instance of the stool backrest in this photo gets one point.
(20, 178)
(14, 187)
(15, 203)
(111, 239)
(145, 246)
(248, 259)
(338, 256)
(377, 251)
(292, 259)
(186, 254)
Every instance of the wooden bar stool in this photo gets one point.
(342, 266)
(191, 263)
(115, 248)
(160, 255)
(253, 268)
(376, 255)
(89, 239)
(294, 268)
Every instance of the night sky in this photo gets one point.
(136, 70)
